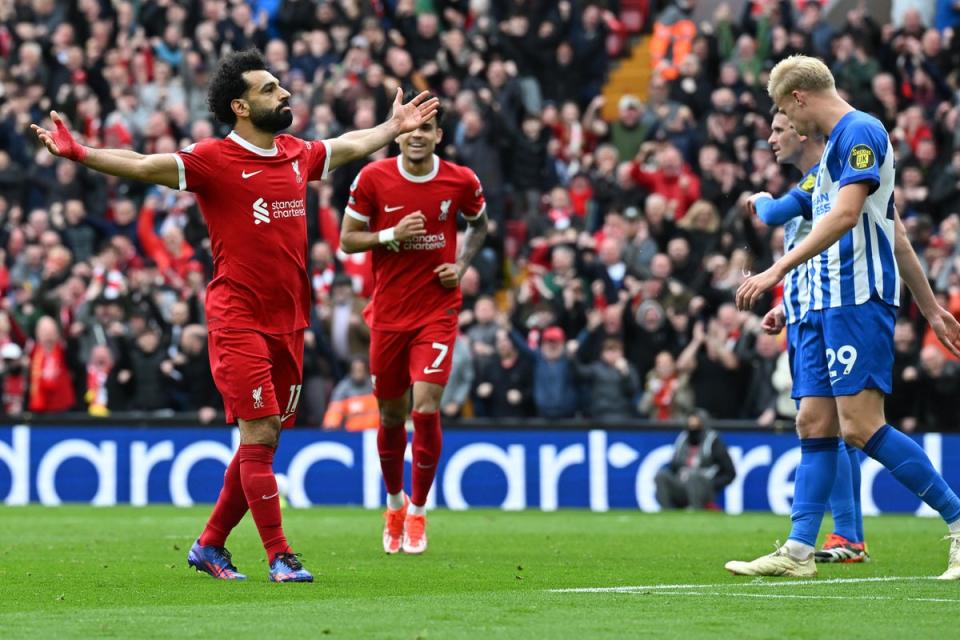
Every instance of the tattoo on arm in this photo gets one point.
(472, 243)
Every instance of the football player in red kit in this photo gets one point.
(251, 189)
(405, 209)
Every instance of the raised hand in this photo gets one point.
(60, 142)
(409, 116)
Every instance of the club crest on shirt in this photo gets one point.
(296, 170)
(862, 157)
(808, 183)
(444, 209)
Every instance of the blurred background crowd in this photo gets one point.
(618, 232)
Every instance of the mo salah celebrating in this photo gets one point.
(251, 189)
(405, 209)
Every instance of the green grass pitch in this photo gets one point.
(82, 572)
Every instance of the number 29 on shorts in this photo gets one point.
(845, 356)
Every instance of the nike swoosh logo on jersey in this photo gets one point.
(245, 175)
(392, 209)
(270, 497)
(428, 370)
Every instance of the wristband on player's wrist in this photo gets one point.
(387, 236)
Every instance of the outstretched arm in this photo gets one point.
(158, 168)
(831, 228)
(360, 144)
(774, 211)
(843, 217)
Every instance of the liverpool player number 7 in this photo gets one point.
(251, 189)
(405, 210)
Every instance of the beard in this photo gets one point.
(271, 120)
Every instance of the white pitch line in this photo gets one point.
(728, 585)
(782, 596)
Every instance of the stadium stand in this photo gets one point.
(616, 143)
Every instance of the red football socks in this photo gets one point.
(427, 444)
(229, 510)
(392, 444)
(263, 496)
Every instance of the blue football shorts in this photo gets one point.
(843, 350)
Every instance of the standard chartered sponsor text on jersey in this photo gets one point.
(288, 208)
(425, 243)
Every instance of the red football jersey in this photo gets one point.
(254, 203)
(407, 294)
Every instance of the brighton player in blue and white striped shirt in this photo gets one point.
(793, 210)
(851, 255)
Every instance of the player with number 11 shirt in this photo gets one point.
(251, 189)
(405, 210)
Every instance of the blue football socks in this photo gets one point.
(909, 464)
(842, 504)
(815, 478)
(854, 455)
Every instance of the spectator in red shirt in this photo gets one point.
(51, 388)
(172, 253)
(674, 180)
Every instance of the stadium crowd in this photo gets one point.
(616, 245)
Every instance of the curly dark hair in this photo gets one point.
(228, 84)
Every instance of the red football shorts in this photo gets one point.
(258, 374)
(400, 358)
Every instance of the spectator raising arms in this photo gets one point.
(613, 382)
(622, 212)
